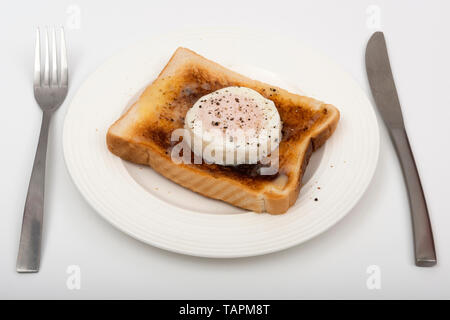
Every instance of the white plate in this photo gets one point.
(154, 210)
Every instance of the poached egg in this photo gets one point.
(232, 126)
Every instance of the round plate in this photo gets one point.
(155, 210)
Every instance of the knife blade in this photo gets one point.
(385, 95)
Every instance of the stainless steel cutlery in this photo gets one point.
(50, 86)
(385, 94)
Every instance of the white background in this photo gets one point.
(376, 232)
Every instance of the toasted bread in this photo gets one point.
(143, 134)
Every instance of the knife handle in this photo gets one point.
(425, 254)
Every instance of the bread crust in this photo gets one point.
(228, 189)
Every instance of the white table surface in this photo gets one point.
(112, 265)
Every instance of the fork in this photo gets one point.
(50, 90)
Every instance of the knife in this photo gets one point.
(385, 94)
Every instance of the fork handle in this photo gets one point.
(425, 254)
(30, 238)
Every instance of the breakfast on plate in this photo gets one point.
(223, 135)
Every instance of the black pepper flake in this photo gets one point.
(236, 99)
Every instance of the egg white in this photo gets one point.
(234, 147)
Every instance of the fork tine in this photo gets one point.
(47, 61)
(37, 61)
(54, 78)
(63, 59)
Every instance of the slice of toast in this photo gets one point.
(143, 135)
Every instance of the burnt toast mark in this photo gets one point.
(196, 82)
